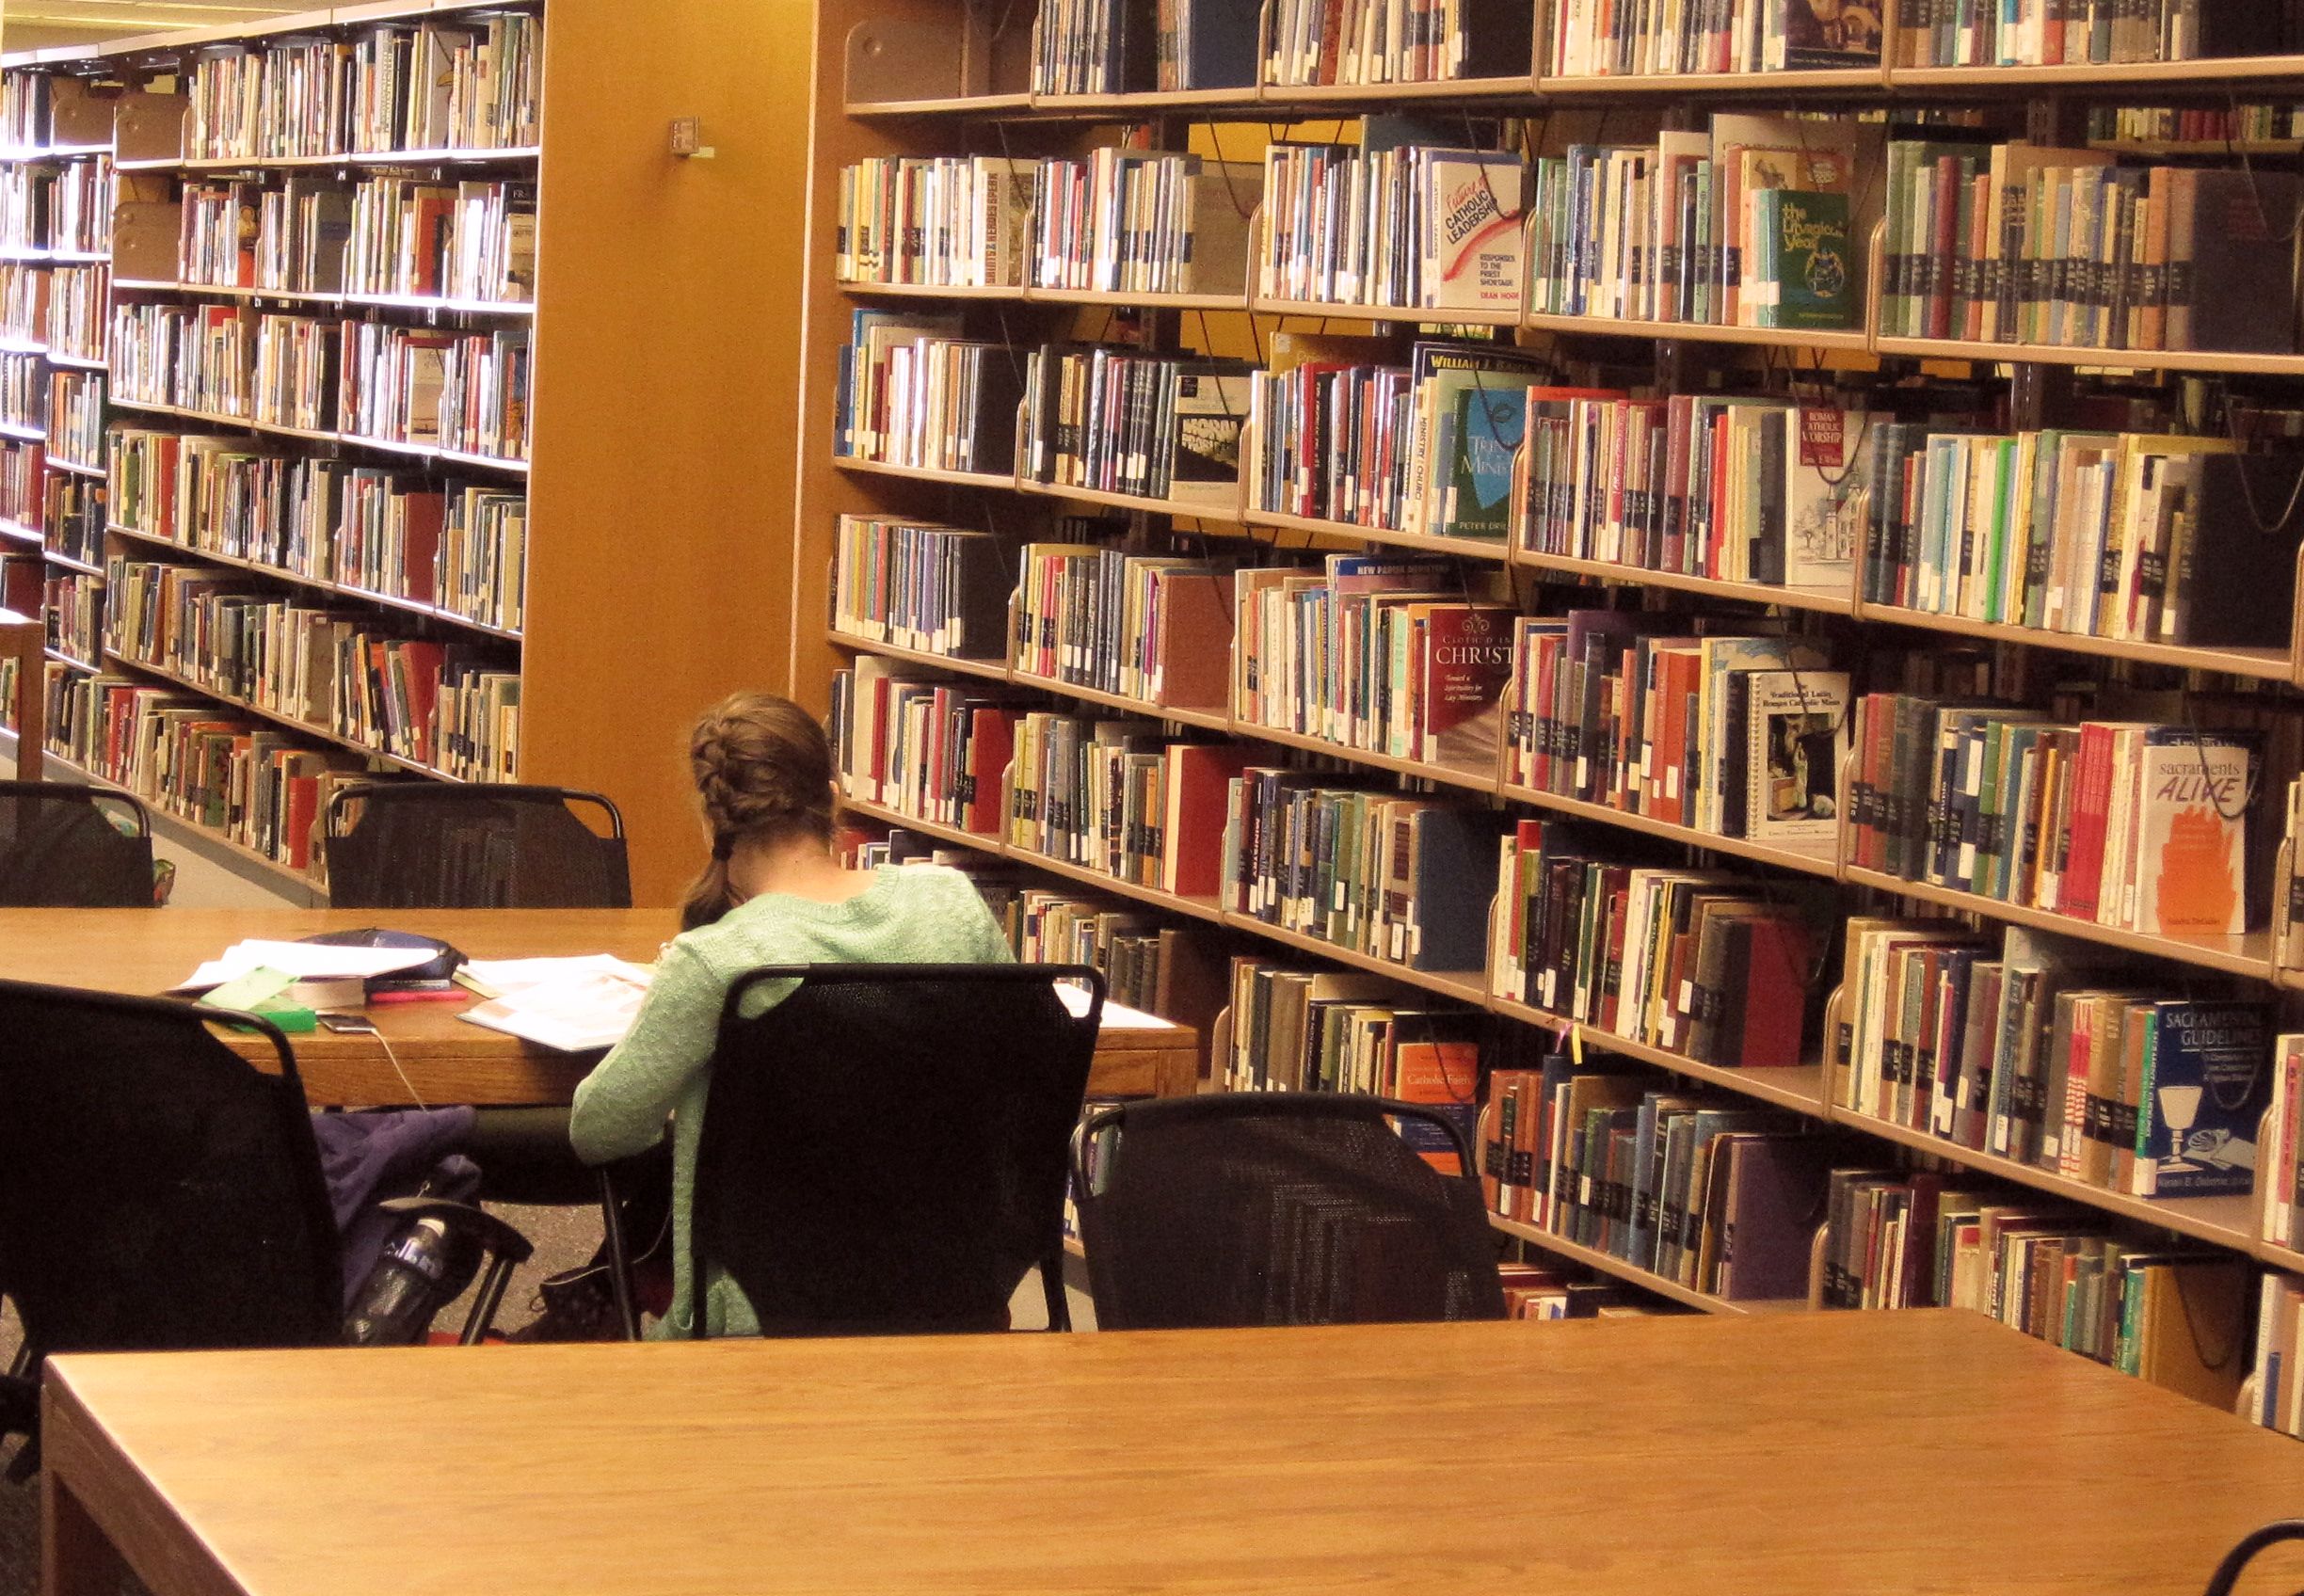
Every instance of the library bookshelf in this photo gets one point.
(653, 323)
(914, 78)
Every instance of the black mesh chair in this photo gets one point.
(884, 1151)
(67, 846)
(435, 845)
(1271, 1208)
(159, 1193)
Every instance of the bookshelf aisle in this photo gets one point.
(1720, 599)
(346, 399)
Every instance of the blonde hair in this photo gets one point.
(762, 768)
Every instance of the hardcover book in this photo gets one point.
(2207, 1078)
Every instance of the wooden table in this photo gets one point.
(1852, 1454)
(447, 1060)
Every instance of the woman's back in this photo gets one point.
(919, 914)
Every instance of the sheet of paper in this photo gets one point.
(576, 1014)
(1117, 1017)
(304, 961)
(503, 977)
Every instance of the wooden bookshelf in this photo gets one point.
(914, 78)
(1609, 1264)
(661, 359)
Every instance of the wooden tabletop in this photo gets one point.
(446, 1060)
(1851, 1454)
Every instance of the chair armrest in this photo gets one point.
(491, 1232)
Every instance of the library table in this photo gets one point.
(1884, 1454)
(447, 1060)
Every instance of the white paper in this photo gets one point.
(1117, 1017)
(575, 1013)
(304, 961)
(507, 976)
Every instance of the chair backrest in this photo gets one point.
(62, 846)
(884, 1149)
(1271, 1208)
(437, 845)
(157, 1191)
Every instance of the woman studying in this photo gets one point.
(772, 894)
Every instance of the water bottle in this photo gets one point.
(407, 1286)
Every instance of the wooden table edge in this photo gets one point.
(99, 1513)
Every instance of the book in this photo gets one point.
(1797, 729)
(2207, 1080)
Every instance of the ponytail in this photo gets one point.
(764, 770)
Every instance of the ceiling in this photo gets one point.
(32, 24)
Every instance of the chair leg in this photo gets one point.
(619, 1257)
(485, 1304)
(1052, 1287)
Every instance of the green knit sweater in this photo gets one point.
(917, 914)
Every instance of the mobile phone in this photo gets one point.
(359, 1024)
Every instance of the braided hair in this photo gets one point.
(762, 769)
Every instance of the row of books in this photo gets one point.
(1121, 797)
(386, 234)
(2136, 536)
(1719, 968)
(1155, 426)
(24, 393)
(2009, 242)
(74, 518)
(2065, 1056)
(2242, 122)
(1127, 220)
(1148, 965)
(1749, 222)
(950, 221)
(67, 307)
(1386, 653)
(1673, 38)
(459, 547)
(914, 394)
(66, 206)
(1690, 720)
(1663, 1180)
(74, 606)
(446, 707)
(1349, 862)
(1418, 440)
(21, 479)
(2172, 1314)
(1145, 625)
(1400, 219)
(1340, 1031)
(2133, 825)
(465, 392)
(1317, 42)
(442, 83)
(2049, 33)
(935, 750)
(77, 417)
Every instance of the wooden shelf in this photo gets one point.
(1468, 987)
(1181, 509)
(1073, 105)
(21, 434)
(2211, 73)
(1212, 720)
(1196, 908)
(1827, 601)
(1853, 342)
(1329, 311)
(2250, 955)
(72, 565)
(1493, 549)
(71, 661)
(995, 670)
(316, 584)
(1764, 85)
(2267, 665)
(72, 468)
(415, 766)
(862, 289)
(2229, 1221)
(1444, 90)
(2160, 148)
(1800, 1090)
(937, 829)
(1817, 862)
(77, 363)
(1608, 1264)
(347, 440)
(952, 105)
(2110, 360)
(924, 474)
(308, 296)
(1446, 776)
(22, 534)
(21, 346)
(342, 158)
(1126, 298)
(21, 154)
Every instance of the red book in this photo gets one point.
(1773, 988)
(2091, 798)
(1467, 660)
(1195, 777)
(990, 746)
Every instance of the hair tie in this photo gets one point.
(723, 847)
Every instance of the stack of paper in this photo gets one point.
(578, 1006)
(304, 961)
